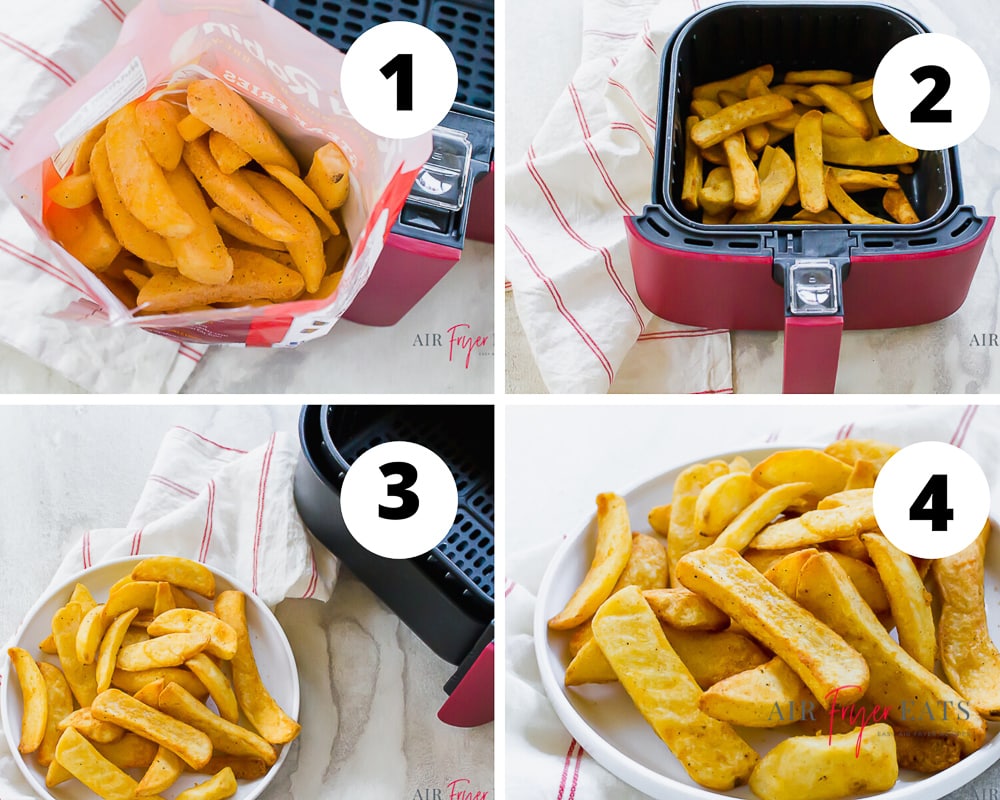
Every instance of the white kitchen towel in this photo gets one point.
(590, 165)
(544, 761)
(44, 47)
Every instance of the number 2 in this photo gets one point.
(935, 492)
(925, 111)
(402, 67)
(408, 501)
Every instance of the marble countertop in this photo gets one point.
(647, 442)
(371, 689)
(940, 357)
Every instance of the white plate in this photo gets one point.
(603, 719)
(270, 647)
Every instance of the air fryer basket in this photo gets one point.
(734, 37)
(446, 595)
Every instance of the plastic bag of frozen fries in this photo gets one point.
(188, 179)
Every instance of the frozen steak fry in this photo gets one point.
(35, 699)
(81, 759)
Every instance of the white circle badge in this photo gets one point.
(931, 91)
(399, 79)
(399, 500)
(931, 500)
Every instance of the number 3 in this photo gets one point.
(408, 501)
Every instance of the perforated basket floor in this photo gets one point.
(462, 564)
(465, 25)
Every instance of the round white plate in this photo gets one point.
(270, 647)
(603, 719)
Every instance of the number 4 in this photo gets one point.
(935, 492)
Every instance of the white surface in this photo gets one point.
(370, 688)
(927, 358)
(558, 458)
(271, 651)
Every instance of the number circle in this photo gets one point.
(931, 91)
(399, 79)
(910, 501)
(399, 500)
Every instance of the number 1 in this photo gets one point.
(402, 67)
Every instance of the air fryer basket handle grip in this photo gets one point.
(812, 350)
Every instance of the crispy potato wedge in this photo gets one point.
(305, 195)
(717, 194)
(858, 180)
(836, 125)
(82, 677)
(969, 658)
(256, 702)
(862, 476)
(191, 128)
(81, 161)
(222, 785)
(926, 753)
(684, 534)
(90, 633)
(693, 173)
(845, 106)
(94, 729)
(181, 572)
(850, 451)
(243, 232)
(685, 610)
(720, 502)
(129, 752)
(827, 474)
(705, 108)
(35, 699)
(189, 743)
(741, 531)
(614, 545)
(84, 233)
(817, 526)
(769, 695)
(784, 573)
(60, 705)
(226, 737)
(221, 637)
(898, 205)
(218, 685)
(218, 106)
(846, 207)
(201, 255)
(111, 643)
(150, 693)
(157, 121)
(140, 180)
(735, 118)
(664, 692)
(809, 161)
(774, 188)
(170, 650)
(879, 151)
(132, 682)
(227, 154)
(163, 601)
(74, 191)
(329, 176)
(828, 217)
(81, 759)
(821, 658)
(245, 769)
(866, 580)
(646, 566)
(712, 656)
(589, 665)
(166, 768)
(898, 682)
(812, 76)
(746, 181)
(909, 600)
(828, 767)
(737, 83)
(48, 646)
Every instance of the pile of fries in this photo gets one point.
(130, 690)
(189, 207)
(765, 598)
(740, 120)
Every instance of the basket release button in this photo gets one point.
(812, 287)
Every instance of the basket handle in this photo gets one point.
(812, 350)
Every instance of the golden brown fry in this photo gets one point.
(865, 579)
(81, 162)
(811, 76)
(705, 108)
(784, 573)
(879, 151)
(821, 658)
(132, 682)
(307, 250)
(735, 118)
(767, 696)
(157, 123)
(898, 205)
(218, 685)
(107, 654)
(191, 128)
(716, 195)
(140, 180)
(221, 786)
(166, 768)
(684, 534)
(692, 180)
(682, 609)
(305, 195)
(737, 83)
(60, 705)
(226, 737)
(129, 752)
(722, 500)
(181, 572)
(73, 191)
(94, 729)
(243, 232)
(234, 193)
(836, 125)
(845, 106)
(861, 90)
(330, 176)
(774, 188)
(846, 207)
(746, 181)
(245, 769)
(34, 698)
(739, 533)
(862, 476)
(170, 650)
(809, 161)
(202, 255)
(926, 753)
(90, 633)
(215, 104)
(256, 702)
(48, 646)
(824, 768)
(85, 234)
(664, 692)
(80, 758)
(827, 217)
(163, 601)
(850, 450)
(150, 693)
(82, 677)
(614, 544)
(227, 154)
(189, 743)
(826, 473)
(712, 656)
(898, 683)
(222, 638)
(969, 657)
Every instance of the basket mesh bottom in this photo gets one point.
(466, 27)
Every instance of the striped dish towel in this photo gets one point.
(589, 166)
(45, 46)
(544, 762)
(228, 508)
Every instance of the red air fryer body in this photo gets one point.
(742, 276)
